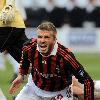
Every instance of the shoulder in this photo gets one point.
(62, 50)
(65, 49)
(29, 44)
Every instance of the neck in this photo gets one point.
(45, 55)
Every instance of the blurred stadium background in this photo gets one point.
(78, 25)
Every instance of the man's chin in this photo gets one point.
(43, 50)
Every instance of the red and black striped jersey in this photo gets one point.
(54, 72)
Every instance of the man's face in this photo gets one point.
(46, 41)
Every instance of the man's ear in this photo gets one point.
(55, 40)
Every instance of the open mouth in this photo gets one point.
(43, 47)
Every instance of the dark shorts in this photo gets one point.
(12, 39)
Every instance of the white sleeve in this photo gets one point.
(10, 2)
(97, 85)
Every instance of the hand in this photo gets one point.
(7, 14)
(16, 84)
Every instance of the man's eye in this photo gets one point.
(39, 36)
(46, 37)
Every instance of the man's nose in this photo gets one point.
(43, 40)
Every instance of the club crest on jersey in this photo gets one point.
(44, 62)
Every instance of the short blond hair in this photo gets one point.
(48, 26)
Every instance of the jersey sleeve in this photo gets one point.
(26, 57)
(24, 63)
(79, 72)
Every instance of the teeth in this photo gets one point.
(43, 46)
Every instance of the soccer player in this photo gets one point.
(52, 66)
(12, 29)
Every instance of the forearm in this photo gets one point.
(16, 84)
(88, 89)
(96, 96)
(77, 90)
